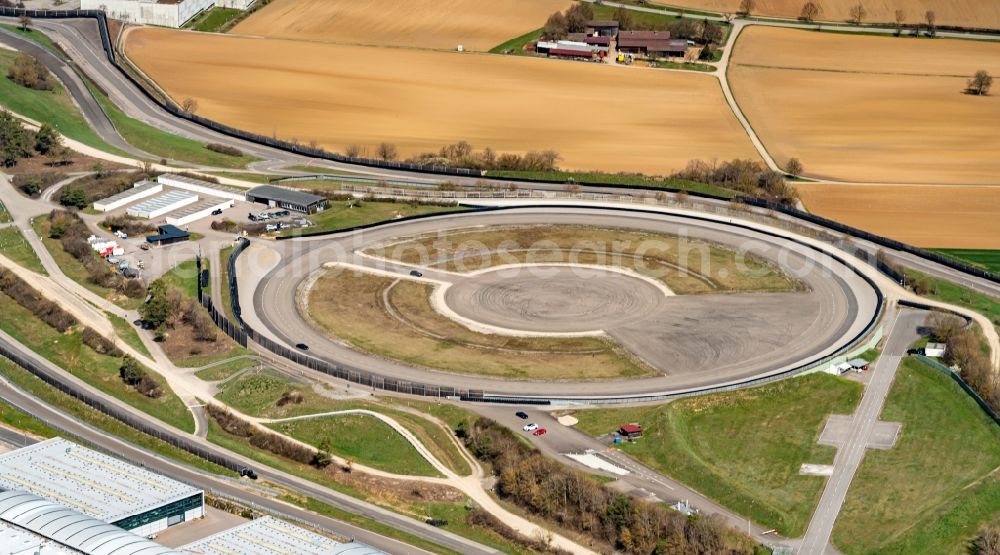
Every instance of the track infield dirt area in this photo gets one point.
(932, 217)
(596, 117)
(870, 109)
(443, 24)
(964, 13)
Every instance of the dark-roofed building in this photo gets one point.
(604, 28)
(289, 199)
(168, 234)
(592, 40)
(654, 44)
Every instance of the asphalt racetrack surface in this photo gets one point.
(694, 341)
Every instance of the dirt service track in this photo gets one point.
(705, 341)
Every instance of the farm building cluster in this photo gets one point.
(603, 40)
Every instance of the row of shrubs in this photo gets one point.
(135, 375)
(224, 149)
(128, 224)
(168, 308)
(965, 350)
(549, 490)
(33, 184)
(267, 440)
(51, 313)
(72, 234)
(102, 184)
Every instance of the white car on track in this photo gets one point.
(530, 427)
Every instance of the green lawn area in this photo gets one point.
(33, 35)
(127, 333)
(162, 144)
(644, 19)
(54, 107)
(213, 20)
(184, 276)
(362, 439)
(251, 177)
(225, 370)
(81, 411)
(932, 491)
(74, 270)
(742, 448)
(348, 214)
(516, 44)
(318, 170)
(986, 259)
(682, 65)
(14, 246)
(256, 394)
(225, 293)
(67, 351)
(948, 292)
(633, 180)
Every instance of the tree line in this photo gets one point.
(17, 142)
(964, 349)
(28, 72)
(553, 492)
(745, 176)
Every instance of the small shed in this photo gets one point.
(839, 368)
(935, 349)
(630, 431)
(859, 364)
(603, 27)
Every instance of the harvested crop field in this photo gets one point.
(964, 13)
(932, 217)
(596, 117)
(474, 24)
(870, 109)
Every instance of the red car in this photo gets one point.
(539, 432)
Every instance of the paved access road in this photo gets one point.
(848, 458)
(761, 333)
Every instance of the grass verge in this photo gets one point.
(932, 491)
(515, 45)
(362, 439)
(14, 246)
(33, 385)
(213, 20)
(951, 293)
(54, 107)
(225, 370)
(632, 180)
(127, 333)
(986, 259)
(348, 214)
(742, 448)
(68, 351)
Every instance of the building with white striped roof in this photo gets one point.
(271, 536)
(100, 486)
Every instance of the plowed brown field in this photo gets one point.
(964, 13)
(596, 117)
(475, 24)
(876, 109)
(932, 217)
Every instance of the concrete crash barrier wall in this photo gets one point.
(377, 381)
(304, 150)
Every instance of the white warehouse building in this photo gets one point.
(165, 13)
(99, 486)
(168, 202)
(204, 188)
(140, 190)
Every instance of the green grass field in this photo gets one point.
(213, 20)
(127, 333)
(257, 394)
(932, 491)
(742, 448)
(33, 35)
(43, 391)
(225, 370)
(54, 107)
(986, 259)
(347, 214)
(516, 44)
(361, 439)
(74, 269)
(184, 276)
(67, 351)
(14, 246)
(948, 292)
(162, 144)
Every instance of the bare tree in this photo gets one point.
(900, 19)
(857, 14)
(943, 326)
(623, 17)
(353, 151)
(809, 11)
(189, 105)
(747, 6)
(387, 152)
(24, 22)
(980, 83)
(931, 19)
(794, 167)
